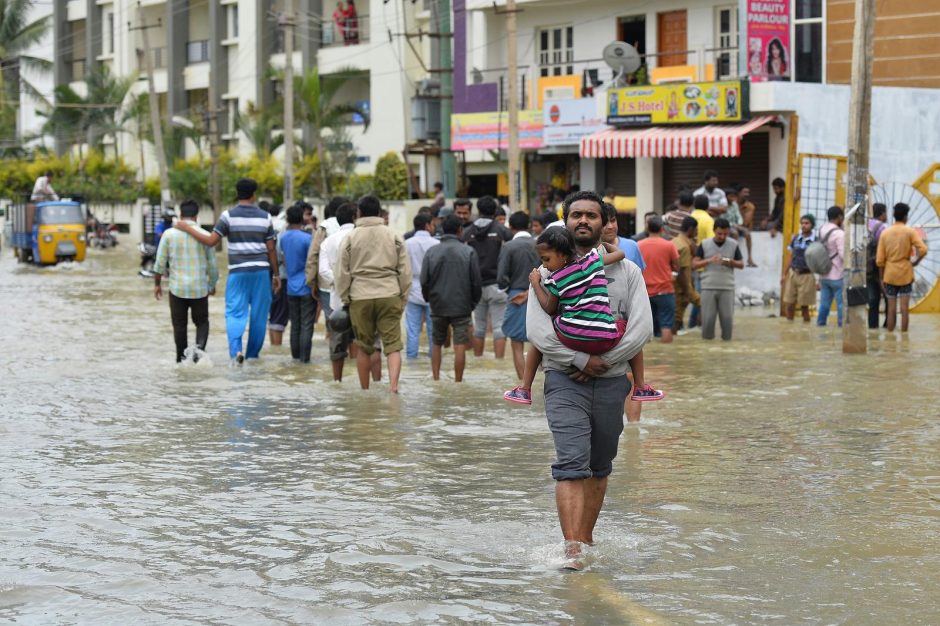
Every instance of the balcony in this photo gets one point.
(345, 32)
(197, 52)
(584, 77)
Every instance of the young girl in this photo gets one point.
(574, 293)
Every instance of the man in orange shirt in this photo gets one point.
(662, 259)
(895, 247)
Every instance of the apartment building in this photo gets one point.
(236, 46)
(564, 83)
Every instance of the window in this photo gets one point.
(231, 19)
(726, 42)
(197, 51)
(556, 51)
(109, 37)
(808, 49)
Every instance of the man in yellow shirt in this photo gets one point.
(895, 247)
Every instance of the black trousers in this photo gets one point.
(303, 312)
(874, 299)
(180, 308)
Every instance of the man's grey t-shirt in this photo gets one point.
(248, 229)
(628, 301)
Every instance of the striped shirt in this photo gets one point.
(248, 229)
(192, 267)
(581, 289)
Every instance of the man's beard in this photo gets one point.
(585, 240)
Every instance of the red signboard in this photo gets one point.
(768, 40)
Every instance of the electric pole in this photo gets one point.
(445, 65)
(855, 324)
(166, 196)
(513, 105)
(287, 22)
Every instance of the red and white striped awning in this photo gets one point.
(713, 140)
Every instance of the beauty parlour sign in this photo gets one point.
(767, 44)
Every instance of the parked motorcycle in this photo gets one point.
(148, 254)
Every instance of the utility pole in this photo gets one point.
(514, 157)
(166, 196)
(286, 20)
(855, 324)
(445, 65)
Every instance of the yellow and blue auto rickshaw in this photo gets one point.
(47, 233)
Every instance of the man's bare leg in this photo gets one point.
(631, 407)
(518, 357)
(789, 309)
(364, 368)
(905, 312)
(499, 348)
(805, 311)
(594, 491)
(338, 370)
(436, 358)
(750, 254)
(394, 371)
(891, 318)
(666, 335)
(276, 336)
(375, 364)
(478, 344)
(460, 361)
(569, 499)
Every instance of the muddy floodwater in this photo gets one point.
(780, 482)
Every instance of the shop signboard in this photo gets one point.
(768, 40)
(490, 131)
(567, 121)
(678, 104)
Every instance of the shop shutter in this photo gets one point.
(621, 175)
(751, 168)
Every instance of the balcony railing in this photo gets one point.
(345, 31)
(595, 72)
(197, 51)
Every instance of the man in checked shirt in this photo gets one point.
(192, 274)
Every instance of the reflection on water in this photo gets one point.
(779, 482)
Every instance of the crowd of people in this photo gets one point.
(586, 299)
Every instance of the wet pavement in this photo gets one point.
(780, 482)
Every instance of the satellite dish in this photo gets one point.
(622, 58)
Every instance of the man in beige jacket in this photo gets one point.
(373, 278)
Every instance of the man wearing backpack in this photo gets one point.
(797, 282)
(486, 236)
(876, 225)
(832, 238)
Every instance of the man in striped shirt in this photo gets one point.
(251, 256)
(192, 275)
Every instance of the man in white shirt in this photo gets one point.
(42, 190)
(717, 200)
(329, 254)
(417, 310)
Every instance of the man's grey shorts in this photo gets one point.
(492, 306)
(586, 420)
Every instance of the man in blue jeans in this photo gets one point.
(830, 285)
(251, 256)
(417, 310)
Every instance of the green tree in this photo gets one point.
(259, 127)
(391, 177)
(315, 99)
(17, 34)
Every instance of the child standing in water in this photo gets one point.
(574, 292)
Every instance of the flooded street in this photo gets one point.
(779, 482)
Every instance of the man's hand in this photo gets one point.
(276, 284)
(596, 366)
(715, 259)
(157, 291)
(520, 298)
(183, 226)
(212, 291)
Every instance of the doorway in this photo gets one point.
(671, 35)
(632, 30)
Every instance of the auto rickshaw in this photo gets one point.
(49, 232)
